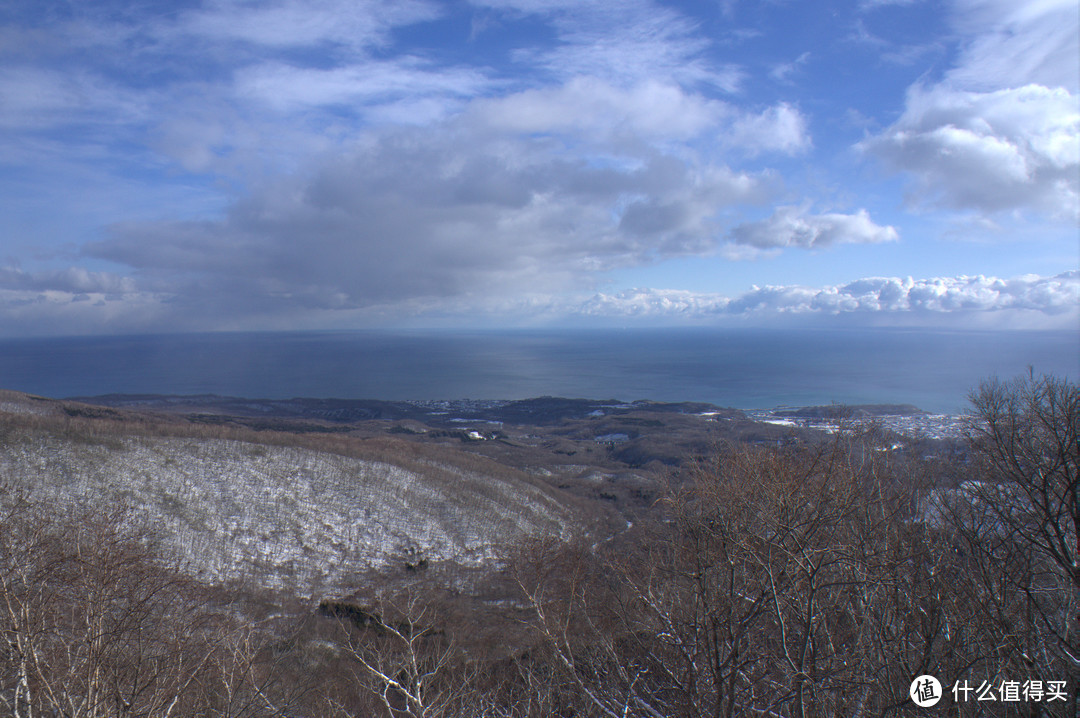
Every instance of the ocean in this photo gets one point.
(742, 368)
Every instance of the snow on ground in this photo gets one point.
(287, 516)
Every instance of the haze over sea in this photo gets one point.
(747, 369)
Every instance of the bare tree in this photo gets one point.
(781, 583)
(404, 659)
(1018, 521)
(799, 582)
(1027, 438)
(94, 622)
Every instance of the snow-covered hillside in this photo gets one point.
(285, 516)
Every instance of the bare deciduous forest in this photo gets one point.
(807, 579)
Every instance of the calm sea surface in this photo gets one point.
(741, 368)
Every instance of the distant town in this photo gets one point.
(917, 425)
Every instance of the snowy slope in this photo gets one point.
(283, 516)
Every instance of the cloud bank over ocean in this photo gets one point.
(1057, 295)
(1025, 302)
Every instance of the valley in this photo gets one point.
(304, 495)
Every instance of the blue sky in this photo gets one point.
(334, 164)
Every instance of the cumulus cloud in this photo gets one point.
(1017, 148)
(1001, 132)
(781, 128)
(793, 227)
(58, 304)
(1051, 295)
(1054, 296)
(591, 106)
(419, 214)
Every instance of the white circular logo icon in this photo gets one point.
(925, 691)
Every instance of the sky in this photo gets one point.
(221, 165)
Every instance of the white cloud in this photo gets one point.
(990, 151)
(52, 312)
(298, 23)
(891, 51)
(672, 303)
(35, 98)
(622, 43)
(589, 107)
(784, 71)
(1017, 43)
(1057, 296)
(793, 227)
(294, 89)
(86, 304)
(1001, 132)
(780, 128)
